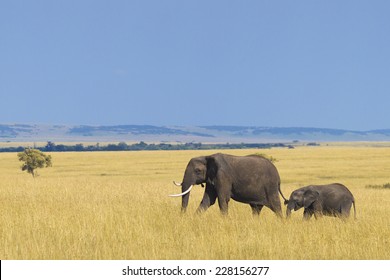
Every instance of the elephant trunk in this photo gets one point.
(184, 201)
(188, 182)
(185, 187)
(290, 207)
(288, 213)
(185, 196)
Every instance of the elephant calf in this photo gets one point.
(329, 200)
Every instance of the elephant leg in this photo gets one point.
(345, 210)
(317, 215)
(256, 208)
(317, 210)
(222, 188)
(209, 198)
(223, 204)
(307, 214)
(275, 206)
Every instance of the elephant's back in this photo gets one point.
(258, 161)
(253, 166)
(342, 188)
(337, 191)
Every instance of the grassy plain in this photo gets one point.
(114, 205)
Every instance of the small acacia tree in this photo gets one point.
(33, 159)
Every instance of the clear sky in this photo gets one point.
(202, 62)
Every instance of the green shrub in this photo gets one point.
(384, 186)
(33, 159)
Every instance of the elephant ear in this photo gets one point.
(309, 197)
(212, 169)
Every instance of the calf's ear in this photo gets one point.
(309, 197)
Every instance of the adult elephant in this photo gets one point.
(248, 179)
(329, 200)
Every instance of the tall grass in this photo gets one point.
(114, 205)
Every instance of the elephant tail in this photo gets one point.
(354, 209)
(285, 200)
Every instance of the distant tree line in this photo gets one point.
(142, 146)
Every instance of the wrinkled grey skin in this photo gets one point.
(248, 179)
(329, 200)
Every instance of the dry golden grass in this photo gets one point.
(114, 205)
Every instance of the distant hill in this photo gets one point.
(131, 129)
(205, 134)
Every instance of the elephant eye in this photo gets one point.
(197, 170)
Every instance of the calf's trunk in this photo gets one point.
(290, 207)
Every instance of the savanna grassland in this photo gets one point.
(114, 205)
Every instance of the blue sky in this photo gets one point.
(256, 63)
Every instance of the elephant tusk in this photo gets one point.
(177, 184)
(183, 193)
